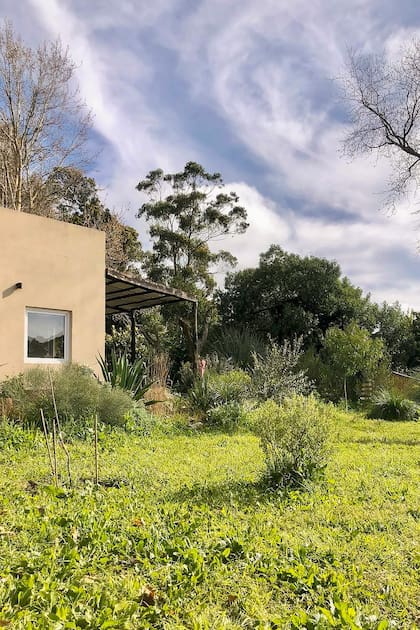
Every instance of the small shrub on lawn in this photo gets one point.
(294, 437)
(277, 375)
(77, 392)
(391, 405)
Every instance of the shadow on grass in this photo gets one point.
(229, 492)
(386, 441)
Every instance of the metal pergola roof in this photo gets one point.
(125, 293)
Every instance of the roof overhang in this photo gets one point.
(125, 293)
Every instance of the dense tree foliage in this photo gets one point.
(352, 352)
(288, 295)
(398, 332)
(76, 200)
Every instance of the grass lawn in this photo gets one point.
(182, 535)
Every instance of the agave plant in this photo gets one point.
(125, 375)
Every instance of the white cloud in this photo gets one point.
(266, 69)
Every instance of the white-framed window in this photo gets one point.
(47, 336)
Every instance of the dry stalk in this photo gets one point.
(44, 426)
(96, 449)
(54, 437)
(60, 435)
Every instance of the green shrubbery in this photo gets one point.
(79, 395)
(294, 437)
(218, 398)
(391, 405)
(277, 375)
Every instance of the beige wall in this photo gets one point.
(61, 266)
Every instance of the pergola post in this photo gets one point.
(133, 336)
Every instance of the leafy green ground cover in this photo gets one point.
(182, 535)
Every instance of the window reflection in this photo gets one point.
(46, 335)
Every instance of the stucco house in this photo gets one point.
(55, 293)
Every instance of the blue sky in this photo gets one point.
(247, 88)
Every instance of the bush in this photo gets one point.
(294, 437)
(78, 394)
(113, 405)
(277, 375)
(218, 390)
(232, 386)
(227, 416)
(391, 405)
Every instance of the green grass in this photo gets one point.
(184, 537)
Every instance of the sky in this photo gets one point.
(247, 88)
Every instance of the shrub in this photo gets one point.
(227, 416)
(294, 437)
(113, 405)
(217, 390)
(78, 394)
(232, 386)
(391, 405)
(277, 375)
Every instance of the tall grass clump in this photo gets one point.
(392, 405)
(237, 345)
(294, 436)
(277, 375)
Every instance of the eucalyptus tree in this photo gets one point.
(188, 213)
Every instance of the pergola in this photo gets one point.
(125, 293)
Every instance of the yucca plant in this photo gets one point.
(131, 377)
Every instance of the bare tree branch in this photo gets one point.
(44, 123)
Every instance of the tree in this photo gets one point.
(383, 96)
(396, 330)
(187, 212)
(75, 198)
(43, 122)
(290, 296)
(351, 352)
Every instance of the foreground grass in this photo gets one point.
(182, 536)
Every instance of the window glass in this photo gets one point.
(46, 335)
